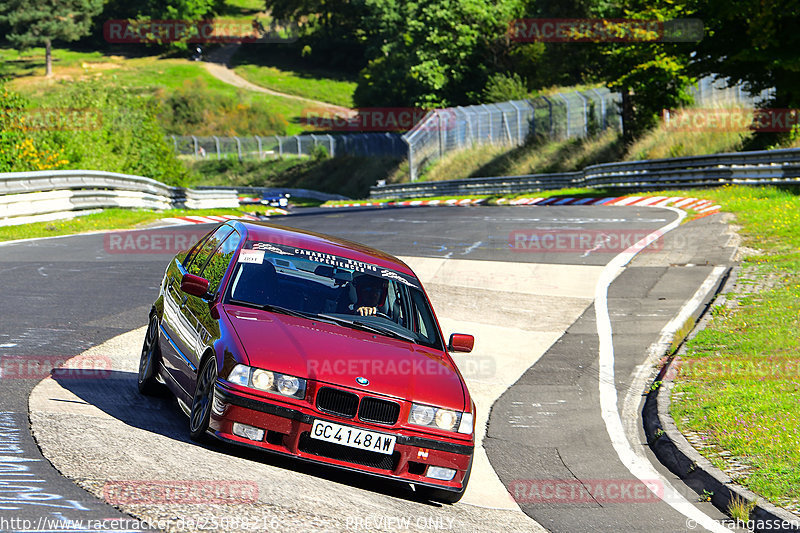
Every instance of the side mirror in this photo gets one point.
(461, 342)
(194, 285)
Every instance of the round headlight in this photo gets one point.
(421, 415)
(288, 385)
(446, 419)
(263, 379)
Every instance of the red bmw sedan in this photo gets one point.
(314, 347)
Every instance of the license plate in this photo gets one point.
(352, 437)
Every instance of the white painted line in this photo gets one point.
(638, 466)
(8, 345)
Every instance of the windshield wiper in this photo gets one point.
(369, 327)
(277, 309)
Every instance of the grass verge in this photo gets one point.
(738, 392)
(109, 219)
(278, 70)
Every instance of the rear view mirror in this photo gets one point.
(461, 342)
(194, 285)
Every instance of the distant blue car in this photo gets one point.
(276, 200)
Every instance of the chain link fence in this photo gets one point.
(562, 115)
(274, 146)
(559, 116)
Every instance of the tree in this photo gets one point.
(752, 41)
(43, 21)
(652, 74)
(433, 53)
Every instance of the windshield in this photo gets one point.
(335, 289)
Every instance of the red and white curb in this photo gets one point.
(208, 219)
(704, 207)
(415, 203)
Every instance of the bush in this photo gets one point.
(195, 110)
(90, 126)
(504, 87)
(20, 150)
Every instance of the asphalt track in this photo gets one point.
(62, 296)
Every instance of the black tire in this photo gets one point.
(149, 360)
(445, 496)
(200, 413)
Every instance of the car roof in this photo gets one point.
(318, 242)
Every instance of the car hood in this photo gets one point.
(337, 355)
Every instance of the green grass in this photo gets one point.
(348, 176)
(277, 70)
(108, 219)
(149, 74)
(739, 389)
(537, 156)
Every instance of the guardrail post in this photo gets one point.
(238, 147)
(280, 146)
(299, 147)
(175, 143)
(196, 148)
(216, 142)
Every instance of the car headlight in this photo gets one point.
(435, 417)
(268, 381)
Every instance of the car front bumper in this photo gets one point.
(287, 431)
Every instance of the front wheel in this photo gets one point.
(148, 363)
(201, 402)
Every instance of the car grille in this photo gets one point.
(337, 402)
(347, 454)
(378, 411)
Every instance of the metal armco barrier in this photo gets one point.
(768, 167)
(24, 196)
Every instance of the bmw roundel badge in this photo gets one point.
(362, 381)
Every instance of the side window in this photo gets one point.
(205, 250)
(218, 264)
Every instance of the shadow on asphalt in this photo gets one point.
(116, 394)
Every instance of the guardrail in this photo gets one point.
(268, 191)
(770, 167)
(44, 195)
